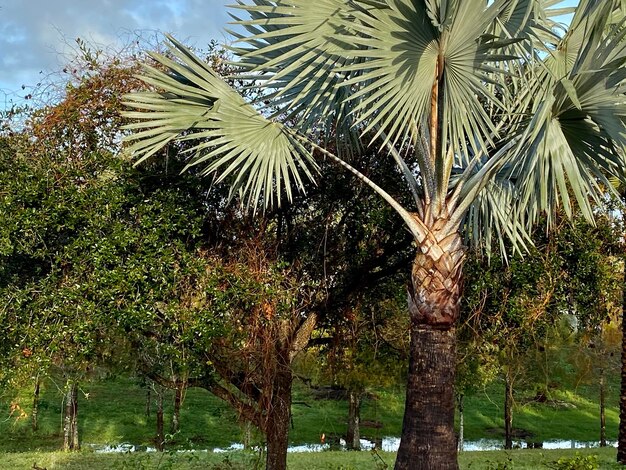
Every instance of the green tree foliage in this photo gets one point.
(537, 321)
(109, 269)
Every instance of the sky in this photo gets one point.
(38, 36)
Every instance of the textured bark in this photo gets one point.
(278, 419)
(353, 436)
(428, 440)
(67, 419)
(70, 418)
(508, 411)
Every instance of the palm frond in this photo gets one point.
(224, 133)
(577, 127)
(289, 54)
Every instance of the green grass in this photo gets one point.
(571, 415)
(113, 412)
(517, 459)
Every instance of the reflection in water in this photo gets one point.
(387, 444)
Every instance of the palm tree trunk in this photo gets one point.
(428, 440)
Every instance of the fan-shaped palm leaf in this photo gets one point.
(578, 119)
(227, 134)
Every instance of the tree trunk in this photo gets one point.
(461, 422)
(278, 418)
(178, 398)
(148, 401)
(428, 440)
(602, 412)
(508, 411)
(35, 413)
(160, 437)
(70, 418)
(353, 436)
(75, 441)
(247, 435)
(621, 439)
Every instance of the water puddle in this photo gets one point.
(497, 444)
(387, 444)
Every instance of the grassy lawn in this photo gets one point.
(113, 412)
(517, 459)
(570, 415)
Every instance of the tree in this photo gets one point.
(361, 350)
(491, 116)
(532, 315)
(506, 310)
(621, 447)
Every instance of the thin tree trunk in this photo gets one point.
(277, 428)
(70, 418)
(67, 419)
(35, 413)
(160, 437)
(602, 408)
(353, 436)
(178, 398)
(148, 401)
(461, 422)
(508, 411)
(428, 441)
(621, 439)
(247, 435)
(74, 424)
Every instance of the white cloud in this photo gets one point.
(35, 35)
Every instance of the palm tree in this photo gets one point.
(493, 113)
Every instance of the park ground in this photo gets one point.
(113, 412)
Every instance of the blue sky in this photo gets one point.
(37, 37)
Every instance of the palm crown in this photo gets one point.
(477, 102)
